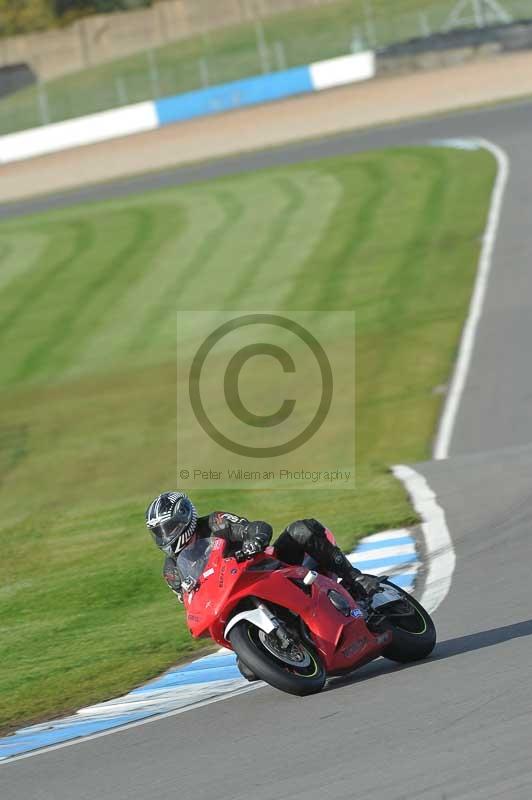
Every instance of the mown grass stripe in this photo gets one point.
(362, 184)
(151, 228)
(232, 210)
(21, 255)
(39, 284)
(60, 334)
(277, 229)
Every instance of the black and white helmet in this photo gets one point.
(171, 519)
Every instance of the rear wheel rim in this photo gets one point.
(414, 624)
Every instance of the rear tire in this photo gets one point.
(246, 641)
(414, 636)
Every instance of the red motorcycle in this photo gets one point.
(290, 625)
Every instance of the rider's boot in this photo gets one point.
(362, 587)
(331, 558)
(352, 578)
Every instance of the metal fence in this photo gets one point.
(262, 45)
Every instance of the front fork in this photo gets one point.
(283, 637)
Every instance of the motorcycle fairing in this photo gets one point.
(343, 642)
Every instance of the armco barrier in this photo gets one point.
(150, 115)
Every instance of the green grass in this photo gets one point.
(228, 54)
(87, 331)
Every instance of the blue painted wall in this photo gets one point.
(227, 96)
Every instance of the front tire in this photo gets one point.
(414, 635)
(245, 671)
(257, 651)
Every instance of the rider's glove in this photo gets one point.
(252, 546)
(261, 531)
(369, 584)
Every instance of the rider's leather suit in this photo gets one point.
(304, 536)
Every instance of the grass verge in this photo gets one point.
(87, 318)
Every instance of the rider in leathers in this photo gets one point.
(173, 523)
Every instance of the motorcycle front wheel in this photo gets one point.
(297, 670)
(414, 633)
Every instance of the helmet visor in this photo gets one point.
(166, 533)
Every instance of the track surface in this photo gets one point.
(456, 726)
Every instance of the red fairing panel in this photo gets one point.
(343, 642)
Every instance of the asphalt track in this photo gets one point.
(456, 726)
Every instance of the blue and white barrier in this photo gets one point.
(206, 679)
(228, 96)
(150, 115)
(75, 132)
(343, 70)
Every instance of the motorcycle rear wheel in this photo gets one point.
(414, 636)
(248, 642)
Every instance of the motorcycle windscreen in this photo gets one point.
(191, 561)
